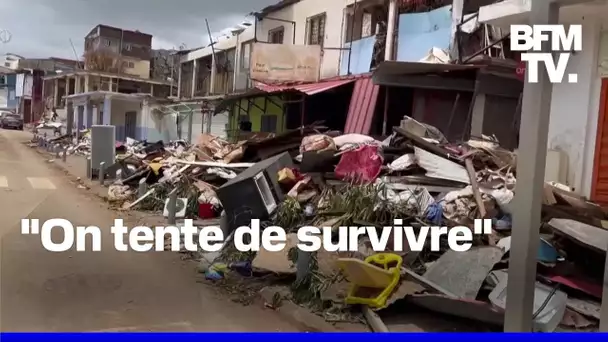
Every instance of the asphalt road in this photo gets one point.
(95, 291)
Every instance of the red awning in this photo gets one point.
(308, 88)
(362, 106)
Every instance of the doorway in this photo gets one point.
(131, 125)
(599, 184)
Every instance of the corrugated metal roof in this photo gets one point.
(307, 88)
(411, 68)
(362, 106)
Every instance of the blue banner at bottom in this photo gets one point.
(291, 337)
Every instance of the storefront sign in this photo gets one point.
(287, 63)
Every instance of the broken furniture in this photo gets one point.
(255, 193)
(375, 278)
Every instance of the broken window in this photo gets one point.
(275, 36)
(269, 123)
(366, 25)
(245, 54)
(316, 30)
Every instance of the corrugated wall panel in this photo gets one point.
(362, 107)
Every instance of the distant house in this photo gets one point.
(8, 98)
(10, 60)
(133, 47)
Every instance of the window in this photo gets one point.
(269, 124)
(316, 30)
(128, 47)
(366, 25)
(275, 36)
(7, 64)
(245, 54)
(128, 65)
(107, 42)
(2, 79)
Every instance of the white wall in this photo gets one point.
(574, 110)
(299, 12)
(574, 107)
(3, 97)
(9, 61)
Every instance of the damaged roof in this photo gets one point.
(273, 8)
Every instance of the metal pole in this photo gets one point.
(143, 188)
(525, 237)
(89, 168)
(172, 207)
(390, 30)
(102, 173)
(350, 43)
(64, 155)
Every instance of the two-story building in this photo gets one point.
(342, 39)
(132, 49)
(113, 87)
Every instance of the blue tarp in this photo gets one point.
(361, 60)
(420, 32)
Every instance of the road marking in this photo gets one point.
(3, 182)
(41, 183)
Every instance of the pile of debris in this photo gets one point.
(417, 176)
(315, 177)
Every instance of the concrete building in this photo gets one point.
(133, 48)
(10, 60)
(577, 118)
(8, 99)
(85, 98)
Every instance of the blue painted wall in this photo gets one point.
(420, 32)
(361, 56)
(11, 96)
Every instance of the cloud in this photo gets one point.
(43, 28)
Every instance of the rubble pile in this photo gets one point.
(315, 177)
(417, 176)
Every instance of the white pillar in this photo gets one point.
(107, 111)
(534, 128)
(457, 7)
(55, 93)
(194, 69)
(213, 72)
(179, 81)
(390, 30)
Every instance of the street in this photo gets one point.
(95, 291)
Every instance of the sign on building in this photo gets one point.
(278, 62)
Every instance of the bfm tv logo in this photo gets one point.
(529, 40)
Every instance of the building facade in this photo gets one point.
(133, 49)
(8, 97)
(10, 60)
(578, 122)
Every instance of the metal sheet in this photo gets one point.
(463, 273)
(308, 88)
(362, 106)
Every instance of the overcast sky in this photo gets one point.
(43, 28)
